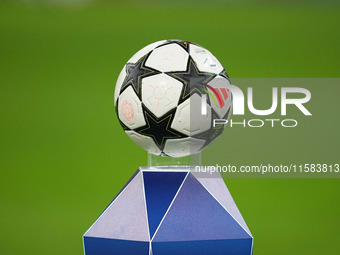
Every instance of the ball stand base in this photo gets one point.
(167, 211)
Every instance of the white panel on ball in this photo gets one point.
(119, 84)
(221, 84)
(183, 147)
(144, 142)
(160, 93)
(189, 119)
(145, 51)
(205, 60)
(168, 58)
(130, 110)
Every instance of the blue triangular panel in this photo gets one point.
(216, 186)
(105, 246)
(160, 190)
(196, 215)
(212, 247)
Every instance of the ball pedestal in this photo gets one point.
(170, 210)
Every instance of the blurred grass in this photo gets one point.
(286, 216)
(63, 153)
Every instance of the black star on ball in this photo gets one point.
(225, 74)
(183, 44)
(135, 73)
(159, 128)
(192, 79)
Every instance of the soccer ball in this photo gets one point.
(168, 95)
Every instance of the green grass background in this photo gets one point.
(63, 155)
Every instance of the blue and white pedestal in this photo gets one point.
(169, 211)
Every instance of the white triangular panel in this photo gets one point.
(126, 216)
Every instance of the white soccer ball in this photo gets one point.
(168, 95)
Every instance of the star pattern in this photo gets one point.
(225, 74)
(159, 128)
(135, 73)
(193, 80)
(183, 44)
